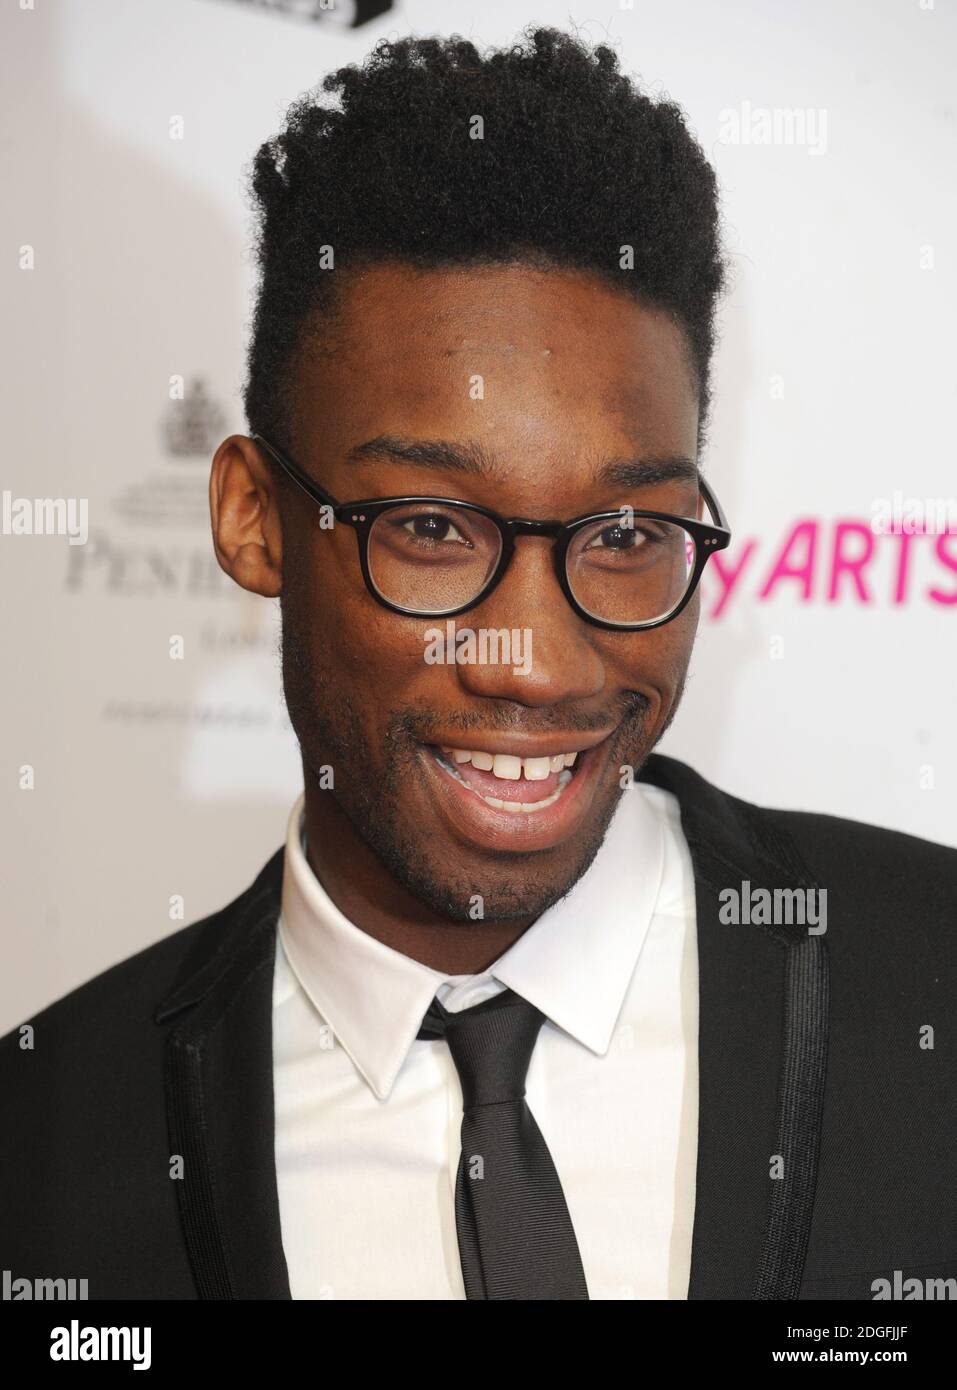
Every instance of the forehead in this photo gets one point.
(506, 350)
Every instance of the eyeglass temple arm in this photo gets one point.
(312, 489)
(309, 486)
(717, 511)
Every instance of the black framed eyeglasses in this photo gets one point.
(626, 569)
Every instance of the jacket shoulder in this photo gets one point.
(878, 880)
(124, 989)
(868, 854)
(888, 898)
(126, 995)
(84, 1160)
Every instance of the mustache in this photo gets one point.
(415, 725)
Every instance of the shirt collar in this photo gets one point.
(574, 963)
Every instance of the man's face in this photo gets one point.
(552, 375)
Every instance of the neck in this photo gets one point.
(365, 892)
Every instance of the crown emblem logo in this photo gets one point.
(194, 425)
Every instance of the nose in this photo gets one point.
(558, 661)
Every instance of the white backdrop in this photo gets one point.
(835, 387)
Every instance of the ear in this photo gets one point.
(244, 509)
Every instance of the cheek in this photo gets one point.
(677, 639)
(358, 650)
(686, 626)
(673, 670)
(653, 662)
(325, 599)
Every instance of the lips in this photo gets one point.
(507, 778)
(512, 790)
(514, 813)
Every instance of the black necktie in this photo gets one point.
(516, 1239)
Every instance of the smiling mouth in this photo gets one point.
(506, 782)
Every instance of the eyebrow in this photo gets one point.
(472, 458)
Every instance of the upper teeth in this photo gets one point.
(506, 765)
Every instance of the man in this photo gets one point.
(521, 1010)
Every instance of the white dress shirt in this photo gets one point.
(368, 1116)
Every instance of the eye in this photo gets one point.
(614, 537)
(434, 527)
(425, 529)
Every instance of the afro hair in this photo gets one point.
(574, 164)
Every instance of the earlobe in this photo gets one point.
(243, 506)
(252, 569)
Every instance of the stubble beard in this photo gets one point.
(519, 885)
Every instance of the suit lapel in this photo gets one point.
(219, 1097)
(762, 1047)
(762, 1037)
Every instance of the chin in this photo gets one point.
(512, 887)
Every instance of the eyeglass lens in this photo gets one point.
(433, 559)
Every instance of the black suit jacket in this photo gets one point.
(809, 1048)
